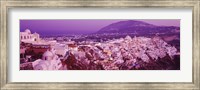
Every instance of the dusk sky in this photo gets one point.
(53, 27)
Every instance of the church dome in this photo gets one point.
(35, 33)
(27, 31)
(128, 38)
(47, 55)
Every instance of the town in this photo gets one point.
(73, 53)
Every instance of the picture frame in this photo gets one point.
(4, 44)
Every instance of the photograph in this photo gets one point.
(99, 44)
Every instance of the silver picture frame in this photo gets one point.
(5, 5)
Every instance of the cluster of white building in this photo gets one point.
(50, 59)
(109, 54)
(127, 49)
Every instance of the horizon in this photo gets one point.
(61, 27)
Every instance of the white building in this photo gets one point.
(49, 61)
(28, 37)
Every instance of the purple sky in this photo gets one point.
(52, 27)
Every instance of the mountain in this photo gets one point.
(137, 27)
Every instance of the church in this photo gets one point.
(28, 37)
